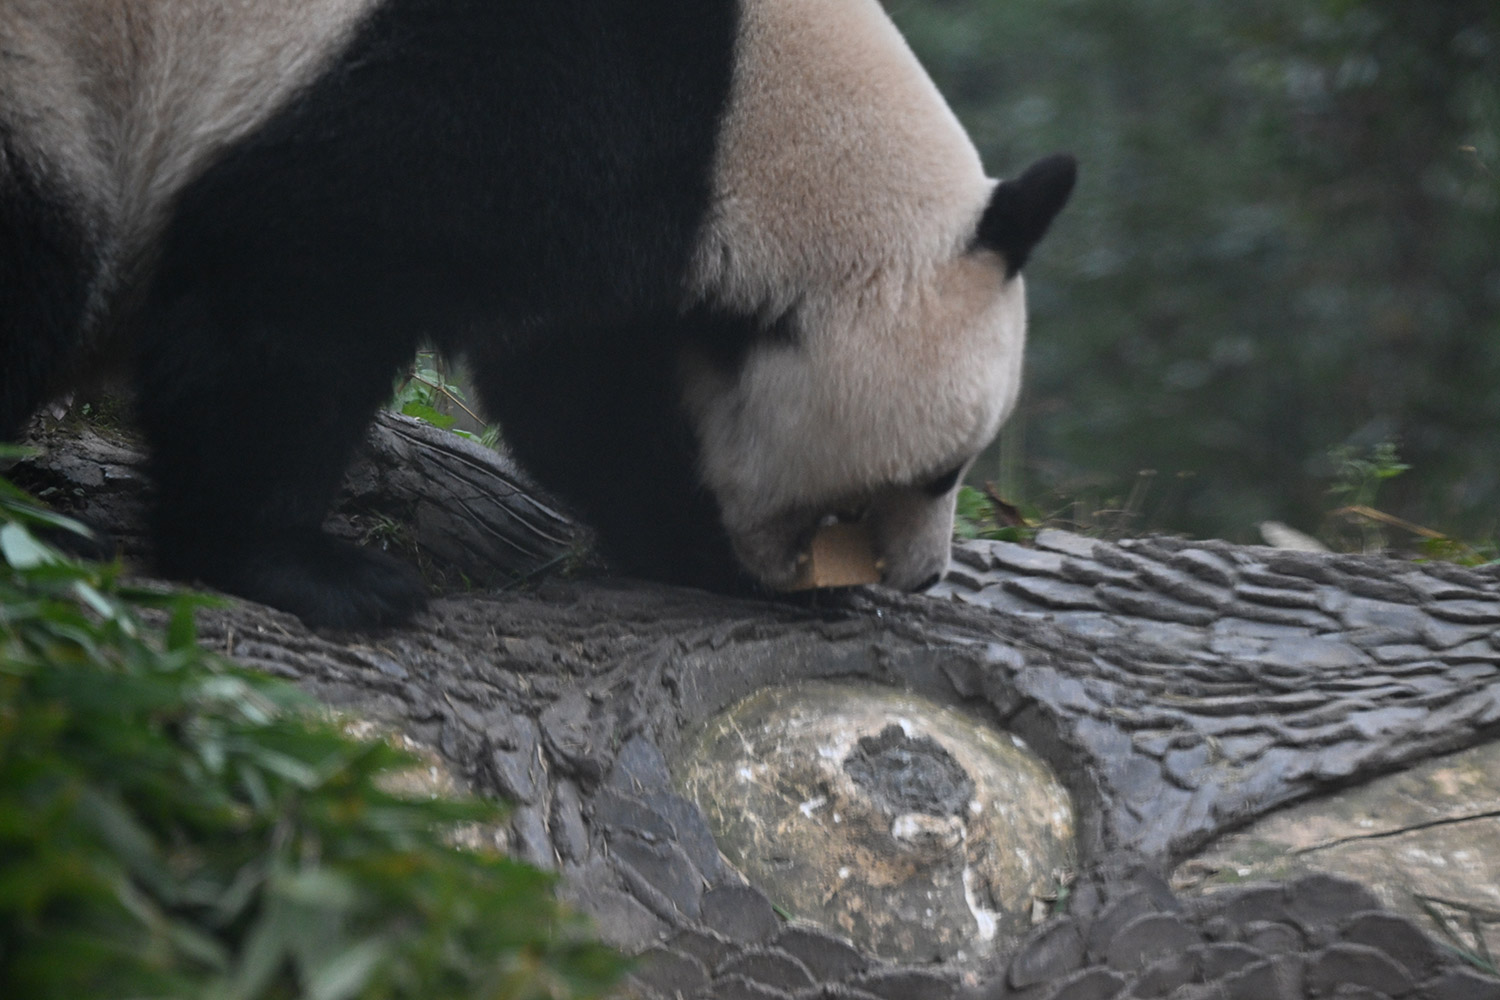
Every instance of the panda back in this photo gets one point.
(120, 103)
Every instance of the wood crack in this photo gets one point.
(1356, 838)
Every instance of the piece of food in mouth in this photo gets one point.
(841, 555)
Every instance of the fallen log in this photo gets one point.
(1179, 689)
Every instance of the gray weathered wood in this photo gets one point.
(1180, 689)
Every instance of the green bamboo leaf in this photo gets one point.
(346, 973)
(102, 605)
(197, 945)
(426, 413)
(262, 954)
(182, 629)
(318, 888)
(21, 549)
(131, 842)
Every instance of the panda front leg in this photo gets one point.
(251, 422)
(50, 263)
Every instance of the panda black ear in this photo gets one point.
(1023, 207)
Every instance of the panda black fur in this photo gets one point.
(721, 267)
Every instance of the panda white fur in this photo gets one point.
(722, 268)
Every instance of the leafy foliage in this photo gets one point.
(984, 515)
(1462, 926)
(1359, 475)
(174, 826)
(431, 390)
(1358, 479)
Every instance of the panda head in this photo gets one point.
(853, 224)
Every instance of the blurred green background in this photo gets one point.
(1285, 240)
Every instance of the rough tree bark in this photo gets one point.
(1179, 688)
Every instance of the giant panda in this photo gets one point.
(722, 269)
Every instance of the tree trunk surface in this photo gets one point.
(1178, 688)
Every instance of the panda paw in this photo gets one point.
(325, 582)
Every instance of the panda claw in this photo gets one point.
(323, 581)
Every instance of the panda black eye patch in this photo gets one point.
(942, 484)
